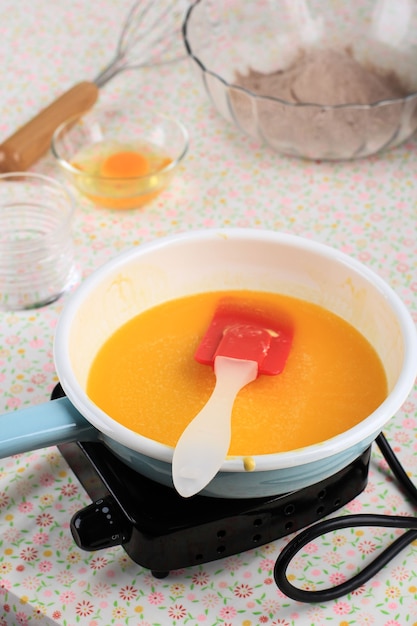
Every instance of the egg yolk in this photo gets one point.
(127, 164)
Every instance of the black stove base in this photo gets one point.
(162, 531)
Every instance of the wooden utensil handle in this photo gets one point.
(33, 139)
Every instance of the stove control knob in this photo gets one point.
(100, 525)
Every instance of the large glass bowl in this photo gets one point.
(234, 44)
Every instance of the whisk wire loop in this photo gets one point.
(151, 30)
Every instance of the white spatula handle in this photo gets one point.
(204, 444)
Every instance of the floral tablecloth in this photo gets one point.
(366, 208)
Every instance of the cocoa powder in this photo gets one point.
(328, 80)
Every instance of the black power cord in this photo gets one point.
(351, 521)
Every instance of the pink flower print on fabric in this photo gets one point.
(38, 379)
(13, 403)
(401, 437)
(85, 608)
(47, 480)
(243, 591)
(266, 565)
(311, 548)
(177, 611)
(355, 506)
(400, 573)
(156, 598)
(337, 578)
(67, 597)
(270, 607)
(45, 566)
(365, 619)
(30, 583)
(342, 608)
(25, 507)
(44, 519)
(69, 490)
(228, 612)
(99, 562)
(40, 538)
(233, 563)
(5, 585)
(22, 619)
(128, 593)
(210, 600)
(200, 578)
(367, 546)
(102, 590)
(331, 558)
(409, 423)
(29, 554)
(65, 577)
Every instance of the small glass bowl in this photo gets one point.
(36, 245)
(226, 41)
(103, 154)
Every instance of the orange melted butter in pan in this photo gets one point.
(145, 375)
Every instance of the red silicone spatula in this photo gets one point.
(240, 345)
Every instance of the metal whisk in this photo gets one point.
(150, 35)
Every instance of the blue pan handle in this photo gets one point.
(43, 425)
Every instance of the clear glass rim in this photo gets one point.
(60, 226)
(294, 105)
(66, 165)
